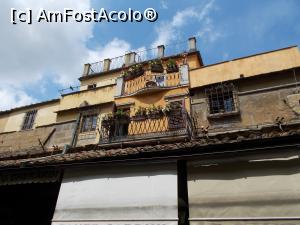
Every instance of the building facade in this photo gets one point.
(159, 139)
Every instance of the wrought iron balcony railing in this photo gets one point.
(141, 128)
(151, 81)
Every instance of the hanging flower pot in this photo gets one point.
(156, 66)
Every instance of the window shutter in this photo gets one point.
(184, 74)
(119, 88)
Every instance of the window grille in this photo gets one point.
(222, 99)
(29, 120)
(89, 123)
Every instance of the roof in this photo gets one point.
(30, 106)
(203, 145)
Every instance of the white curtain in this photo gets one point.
(244, 190)
(147, 192)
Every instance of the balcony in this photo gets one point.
(149, 81)
(130, 58)
(125, 129)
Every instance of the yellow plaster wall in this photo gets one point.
(101, 80)
(93, 97)
(66, 116)
(250, 66)
(3, 120)
(156, 98)
(193, 61)
(45, 115)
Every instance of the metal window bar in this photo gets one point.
(29, 120)
(221, 99)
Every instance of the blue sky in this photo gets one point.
(38, 60)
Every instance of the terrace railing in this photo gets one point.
(133, 128)
(151, 81)
(140, 56)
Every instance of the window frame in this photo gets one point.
(29, 119)
(217, 98)
(89, 122)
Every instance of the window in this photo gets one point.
(221, 99)
(122, 121)
(29, 120)
(89, 123)
(91, 86)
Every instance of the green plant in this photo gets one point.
(171, 63)
(120, 113)
(154, 110)
(155, 62)
(141, 111)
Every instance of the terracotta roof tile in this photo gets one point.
(95, 152)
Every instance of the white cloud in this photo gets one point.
(168, 31)
(29, 53)
(13, 98)
(112, 49)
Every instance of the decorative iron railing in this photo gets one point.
(140, 56)
(151, 80)
(141, 128)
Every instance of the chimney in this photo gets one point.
(160, 51)
(192, 44)
(86, 69)
(129, 58)
(106, 65)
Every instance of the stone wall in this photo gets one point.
(63, 134)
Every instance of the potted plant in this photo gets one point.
(172, 66)
(140, 114)
(156, 66)
(127, 75)
(138, 70)
(122, 117)
(155, 112)
(107, 121)
(133, 72)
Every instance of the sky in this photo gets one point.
(39, 59)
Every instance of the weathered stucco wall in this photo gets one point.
(3, 120)
(45, 115)
(93, 97)
(156, 98)
(101, 81)
(63, 134)
(248, 67)
(25, 140)
(258, 105)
